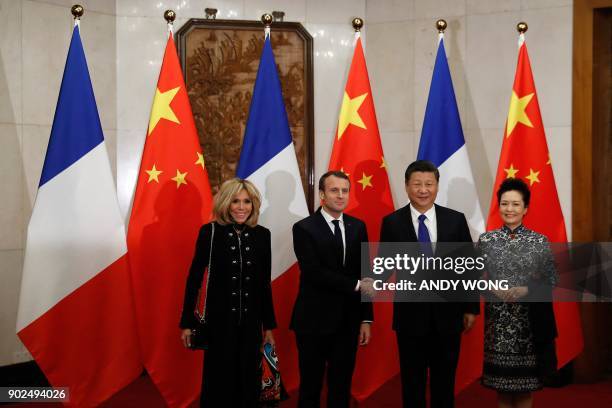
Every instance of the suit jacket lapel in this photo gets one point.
(349, 234)
(408, 226)
(441, 224)
(324, 227)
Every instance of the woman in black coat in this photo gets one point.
(239, 309)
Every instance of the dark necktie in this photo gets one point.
(424, 236)
(338, 240)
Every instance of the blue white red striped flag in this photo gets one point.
(442, 143)
(75, 310)
(268, 160)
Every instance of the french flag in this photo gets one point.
(75, 309)
(442, 143)
(268, 160)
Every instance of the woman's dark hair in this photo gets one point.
(424, 166)
(514, 184)
(335, 173)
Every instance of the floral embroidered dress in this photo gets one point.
(522, 257)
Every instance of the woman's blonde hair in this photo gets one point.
(223, 199)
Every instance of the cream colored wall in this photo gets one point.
(124, 41)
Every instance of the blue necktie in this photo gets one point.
(424, 236)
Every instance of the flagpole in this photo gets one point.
(267, 19)
(522, 28)
(357, 26)
(170, 16)
(77, 12)
(441, 26)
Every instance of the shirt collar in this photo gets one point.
(430, 214)
(329, 218)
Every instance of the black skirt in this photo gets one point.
(231, 375)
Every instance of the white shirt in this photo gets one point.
(328, 218)
(430, 222)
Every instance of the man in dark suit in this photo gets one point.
(329, 318)
(428, 334)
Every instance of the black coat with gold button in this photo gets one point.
(238, 308)
(239, 291)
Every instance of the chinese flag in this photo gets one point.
(524, 155)
(358, 152)
(173, 199)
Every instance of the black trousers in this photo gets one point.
(336, 352)
(439, 353)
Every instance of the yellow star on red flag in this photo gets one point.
(365, 181)
(200, 160)
(511, 172)
(153, 174)
(161, 107)
(533, 177)
(179, 178)
(516, 112)
(349, 113)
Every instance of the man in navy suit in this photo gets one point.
(428, 334)
(329, 319)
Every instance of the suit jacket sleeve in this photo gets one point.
(268, 318)
(194, 279)
(386, 236)
(473, 306)
(367, 311)
(312, 271)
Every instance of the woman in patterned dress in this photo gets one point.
(520, 326)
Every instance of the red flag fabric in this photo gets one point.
(172, 200)
(358, 152)
(525, 155)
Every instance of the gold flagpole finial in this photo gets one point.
(267, 19)
(77, 11)
(357, 24)
(522, 27)
(169, 16)
(211, 13)
(441, 25)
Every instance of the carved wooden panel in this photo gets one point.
(220, 60)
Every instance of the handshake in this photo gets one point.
(366, 287)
